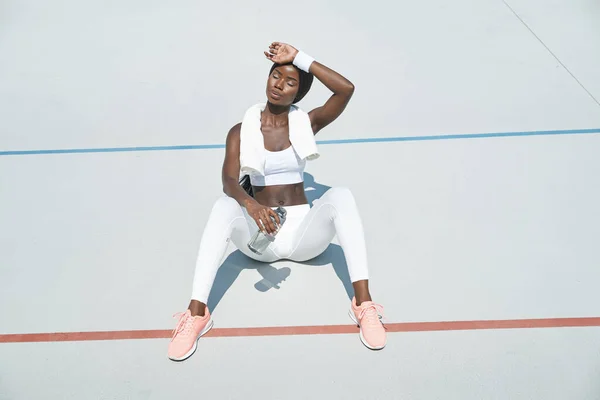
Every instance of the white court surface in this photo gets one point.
(485, 229)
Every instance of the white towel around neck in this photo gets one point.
(252, 144)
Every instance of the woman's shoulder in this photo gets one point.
(235, 130)
(233, 136)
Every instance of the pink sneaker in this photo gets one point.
(186, 334)
(368, 317)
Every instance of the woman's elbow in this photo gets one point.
(349, 89)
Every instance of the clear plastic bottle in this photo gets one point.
(259, 241)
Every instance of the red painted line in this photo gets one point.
(305, 330)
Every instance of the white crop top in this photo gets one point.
(281, 168)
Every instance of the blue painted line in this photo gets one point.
(320, 142)
(463, 136)
(111, 150)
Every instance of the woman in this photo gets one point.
(272, 145)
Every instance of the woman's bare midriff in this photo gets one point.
(280, 195)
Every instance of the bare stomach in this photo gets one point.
(280, 195)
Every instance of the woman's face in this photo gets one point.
(282, 85)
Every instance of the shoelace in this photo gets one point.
(183, 325)
(371, 314)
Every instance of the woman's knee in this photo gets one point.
(226, 206)
(339, 194)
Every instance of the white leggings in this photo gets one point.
(306, 233)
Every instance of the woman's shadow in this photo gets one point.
(273, 277)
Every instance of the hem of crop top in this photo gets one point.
(282, 178)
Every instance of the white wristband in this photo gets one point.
(303, 61)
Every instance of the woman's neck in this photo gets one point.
(274, 115)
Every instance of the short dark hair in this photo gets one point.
(306, 80)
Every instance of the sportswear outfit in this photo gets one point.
(306, 233)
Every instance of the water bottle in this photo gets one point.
(260, 241)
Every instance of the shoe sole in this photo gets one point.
(362, 338)
(187, 355)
